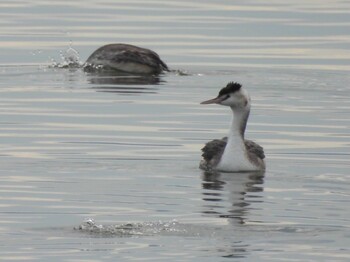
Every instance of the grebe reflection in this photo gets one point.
(226, 195)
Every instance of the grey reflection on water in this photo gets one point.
(123, 83)
(109, 78)
(230, 189)
(229, 196)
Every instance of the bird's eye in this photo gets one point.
(225, 97)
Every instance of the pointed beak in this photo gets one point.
(216, 100)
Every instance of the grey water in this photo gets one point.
(105, 167)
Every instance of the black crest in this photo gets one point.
(231, 87)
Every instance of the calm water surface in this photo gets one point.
(105, 168)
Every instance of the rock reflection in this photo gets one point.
(227, 195)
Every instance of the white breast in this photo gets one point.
(235, 158)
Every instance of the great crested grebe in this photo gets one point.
(126, 58)
(233, 153)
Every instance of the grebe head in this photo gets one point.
(232, 95)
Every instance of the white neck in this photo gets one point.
(235, 157)
(239, 122)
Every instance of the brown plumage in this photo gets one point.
(126, 58)
(213, 150)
